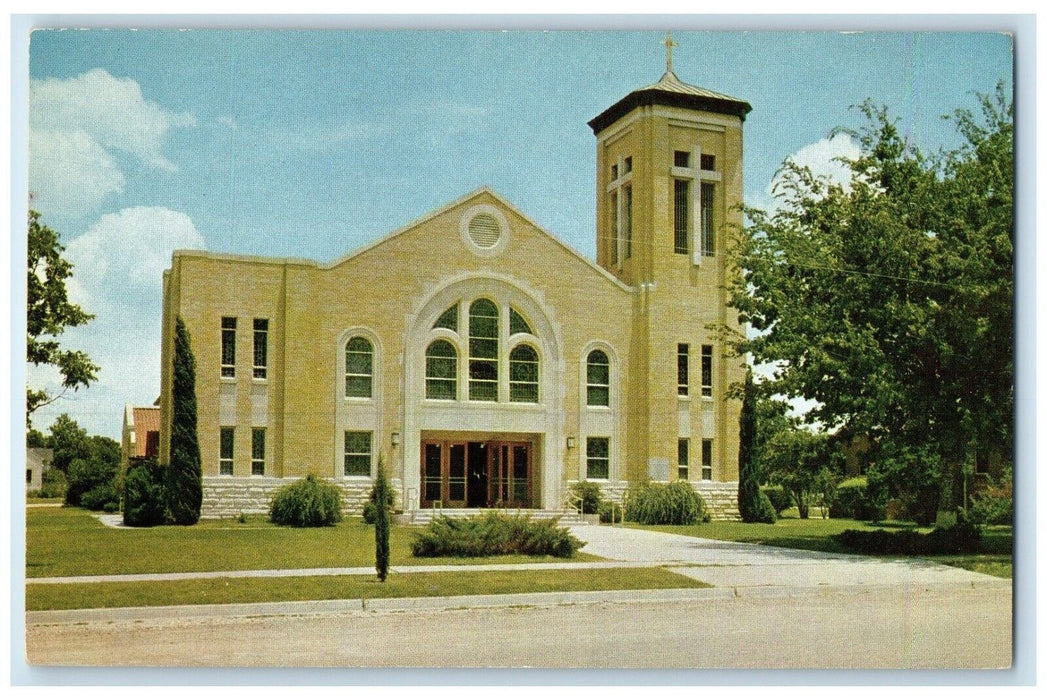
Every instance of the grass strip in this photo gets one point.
(72, 542)
(262, 590)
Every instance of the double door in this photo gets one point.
(461, 474)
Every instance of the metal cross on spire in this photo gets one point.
(669, 44)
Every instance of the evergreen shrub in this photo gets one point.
(780, 498)
(589, 493)
(308, 502)
(144, 504)
(610, 512)
(93, 476)
(53, 484)
(961, 538)
(371, 507)
(994, 505)
(854, 500)
(676, 503)
(493, 534)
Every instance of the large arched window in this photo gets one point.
(483, 351)
(523, 374)
(598, 379)
(359, 368)
(441, 371)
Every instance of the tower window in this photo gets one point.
(627, 220)
(258, 451)
(614, 171)
(598, 379)
(681, 216)
(707, 460)
(483, 351)
(616, 239)
(683, 458)
(228, 346)
(682, 357)
(225, 451)
(708, 162)
(261, 347)
(707, 371)
(708, 231)
(682, 159)
(627, 165)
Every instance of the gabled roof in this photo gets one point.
(672, 92)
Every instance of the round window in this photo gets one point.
(484, 231)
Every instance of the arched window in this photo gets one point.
(517, 323)
(483, 351)
(359, 367)
(523, 374)
(597, 379)
(448, 319)
(441, 371)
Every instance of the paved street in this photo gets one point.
(771, 608)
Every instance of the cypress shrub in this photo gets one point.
(753, 505)
(144, 493)
(676, 503)
(382, 498)
(308, 502)
(184, 488)
(370, 511)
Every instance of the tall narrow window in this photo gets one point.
(708, 230)
(228, 346)
(597, 379)
(441, 371)
(615, 239)
(359, 368)
(597, 458)
(523, 374)
(627, 221)
(707, 371)
(683, 458)
(707, 460)
(258, 451)
(483, 351)
(261, 347)
(225, 451)
(681, 216)
(357, 453)
(627, 165)
(682, 361)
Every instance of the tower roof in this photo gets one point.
(672, 92)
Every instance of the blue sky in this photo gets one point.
(311, 144)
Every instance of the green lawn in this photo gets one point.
(72, 542)
(817, 534)
(256, 590)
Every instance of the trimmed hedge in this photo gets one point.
(780, 498)
(961, 538)
(308, 502)
(493, 534)
(853, 500)
(676, 503)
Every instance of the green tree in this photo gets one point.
(48, 313)
(753, 504)
(888, 301)
(184, 487)
(803, 463)
(68, 440)
(382, 493)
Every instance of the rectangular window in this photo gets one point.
(597, 458)
(28, 476)
(225, 451)
(614, 172)
(683, 351)
(627, 165)
(357, 453)
(228, 346)
(707, 460)
(614, 227)
(708, 162)
(682, 159)
(707, 371)
(683, 458)
(627, 221)
(708, 231)
(261, 347)
(258, 451)
(681, 216)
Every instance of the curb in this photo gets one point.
(358, 605)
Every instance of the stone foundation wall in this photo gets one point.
(228, 497)
(721, 497)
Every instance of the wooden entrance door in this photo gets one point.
(509, 475)
(443, 474)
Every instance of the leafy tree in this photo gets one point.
(184, 487)
(888, 301)
(48, 313)
(803, 463)
(34, 438)
(753, 504)
(382, 492)
(68, 440)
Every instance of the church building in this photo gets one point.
(483, 360)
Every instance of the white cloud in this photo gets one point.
(118, 267)
(822, 158)
(76, 124)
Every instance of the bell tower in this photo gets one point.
(669, 179)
